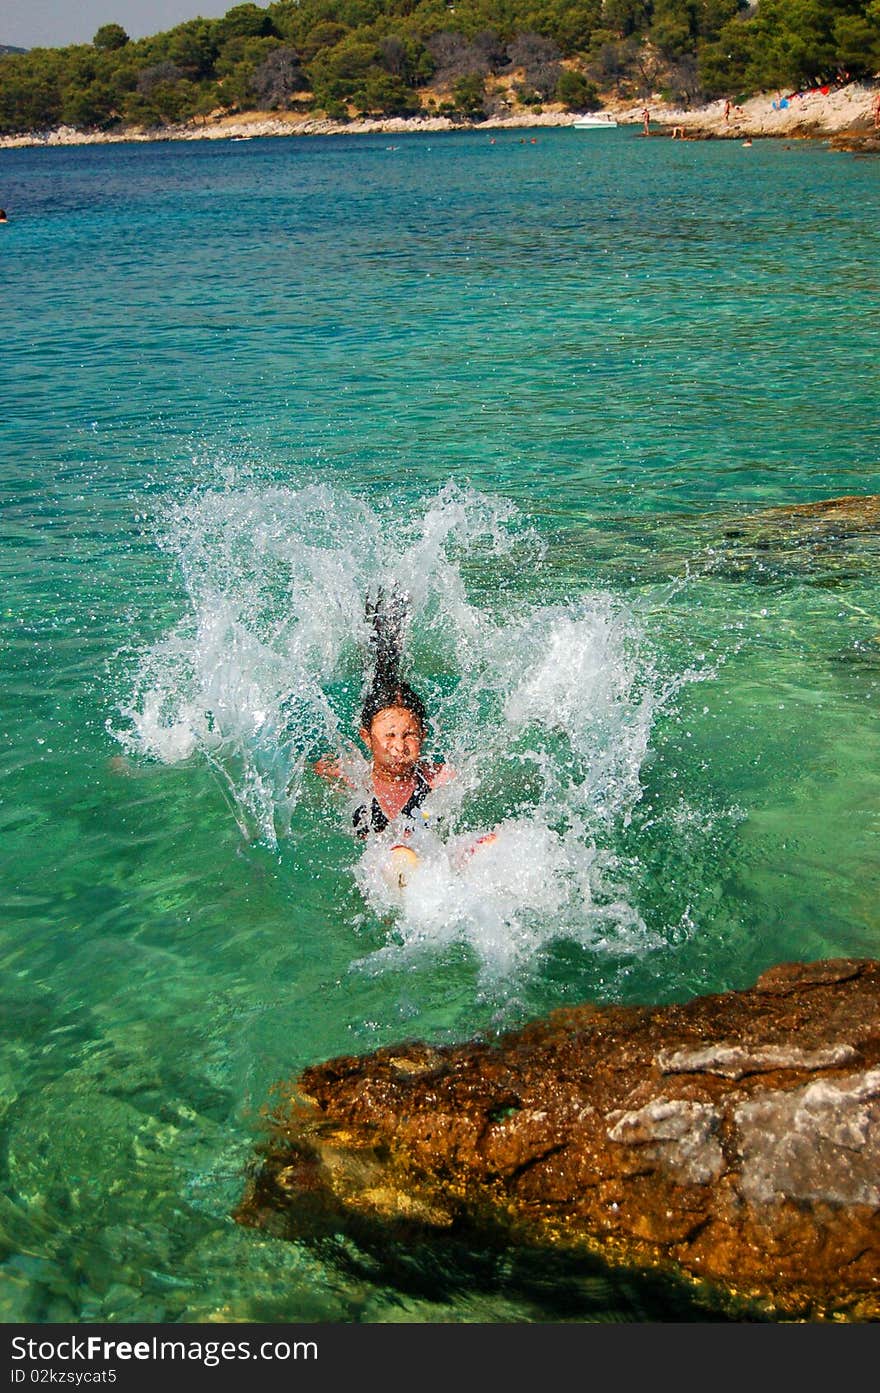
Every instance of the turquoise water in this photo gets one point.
(549, 386)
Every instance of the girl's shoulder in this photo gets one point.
(437, 774)
(332, 767)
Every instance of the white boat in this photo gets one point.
(594, 120)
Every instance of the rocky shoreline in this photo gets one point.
(731, 1142)
(845, 115)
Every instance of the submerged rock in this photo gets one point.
(832, 540)
(857, 142)
(837, 517)
(826, 544)
(732, 1141)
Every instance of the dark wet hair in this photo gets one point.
(385, 694)
(387, 613)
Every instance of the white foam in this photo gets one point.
(545, 711)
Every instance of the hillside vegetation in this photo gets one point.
(350, 58)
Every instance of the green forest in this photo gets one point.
(470, 59)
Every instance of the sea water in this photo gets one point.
(546, 389)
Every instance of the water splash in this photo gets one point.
(544, 711)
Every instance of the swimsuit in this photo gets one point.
(370, 817)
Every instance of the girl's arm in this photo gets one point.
(328, 767)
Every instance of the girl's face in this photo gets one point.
(395, 741)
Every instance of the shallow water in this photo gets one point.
(546, 387)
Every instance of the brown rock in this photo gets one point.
(857, 142)
(828, 541)
(733, 1140)
(852, 512)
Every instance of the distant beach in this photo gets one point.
(818, 113)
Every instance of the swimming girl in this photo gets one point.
(392, 730)
(397, 781)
